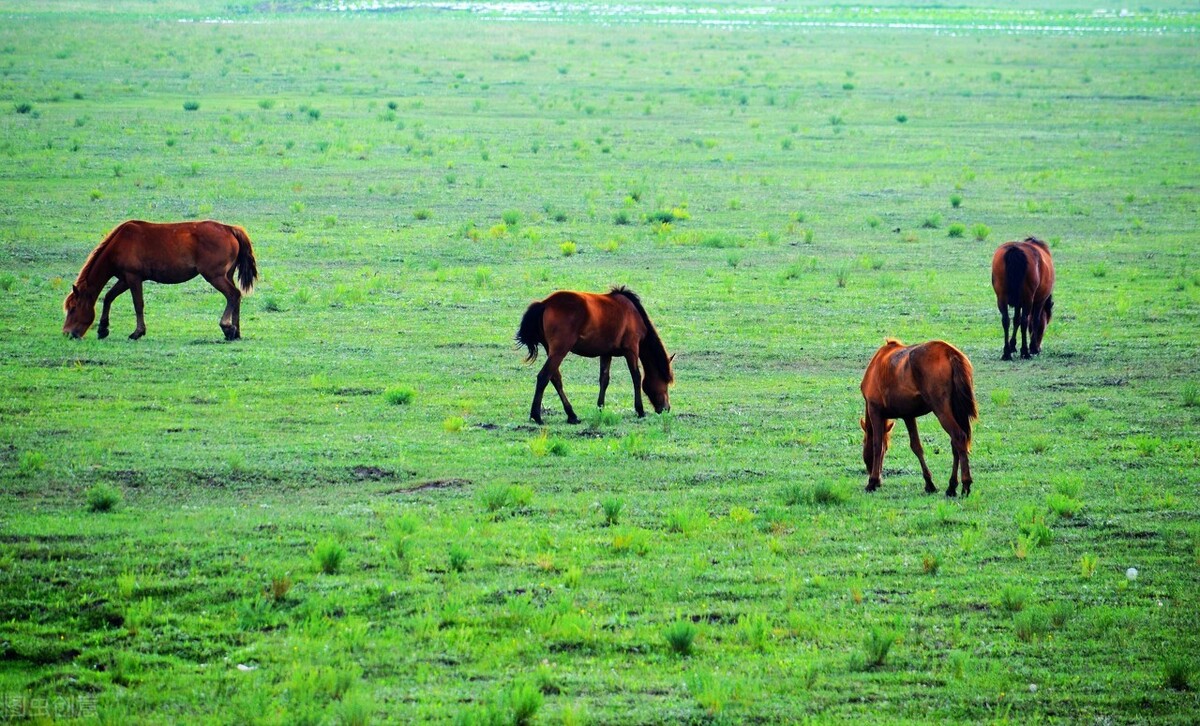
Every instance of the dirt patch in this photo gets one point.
(435, 484)
(487, 426)
(372, 473)
(351, 391)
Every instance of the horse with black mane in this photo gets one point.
(596, 326)
(909, 381)
(137, 251)
(1023, 277)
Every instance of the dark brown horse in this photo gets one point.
(169, 253)
(1023, 277)
(595, 325)
(907, 382)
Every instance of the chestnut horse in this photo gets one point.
(595, 325)
(1023, 277)
(907, 382)
(169, 253)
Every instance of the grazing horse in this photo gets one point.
(169, 253)
(1023, 277)
(909, 381)
(595, 325)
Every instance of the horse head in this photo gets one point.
(657, 386)
(81, 312)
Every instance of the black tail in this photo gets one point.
(530, 332)
(962, 394)
(1015, 267)
(247, 267)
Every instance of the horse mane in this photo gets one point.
(652, 349)
(95, 254)
(1038, 242)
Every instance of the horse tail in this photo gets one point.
(530, 333)
(1016, 265)
(247, 266)
(962, 394)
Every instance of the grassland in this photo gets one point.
(345, 517)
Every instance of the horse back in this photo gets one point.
(173, 252)
(590, 324)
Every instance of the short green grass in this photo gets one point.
(346, 516)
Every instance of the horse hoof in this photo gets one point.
(1006, 356)
(1025, 356)
(102, 333)
(872, 486)
(930, 489)
(951, 494)
(573, 420)
(136, 334)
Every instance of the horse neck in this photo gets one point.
(96, 272)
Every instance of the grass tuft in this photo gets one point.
(103, 497)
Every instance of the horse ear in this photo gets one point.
(75, 288)
(671, 359)
(890, 425)
(862, 424)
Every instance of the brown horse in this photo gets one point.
(907, 382)
(1023, 277)
(169, 253)
(595, 325)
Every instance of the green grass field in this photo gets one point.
(345, 517)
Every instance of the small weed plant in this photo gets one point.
(681, 636)
(103, 497)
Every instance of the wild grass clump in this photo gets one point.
(981, 232)
(422, 214)
(754, 631)
(877, 644)
(497, 498)
(453, 424)
(1191, 393)
(400, 395)
(1063, 506)
(7, 281)
(1177, 673)
(328, 555)
(612, 506)
(822, 493)
(279, 588)
(30, 463)
(681, 636)
(601, 418)
(932, 221)
(103, 497)
(544, 443)
(686, 521)
(1030, 625)
(956, 230)
(1088, 564)
(956, 200)
(458, 557)
(510, 217)
(930, 563)
(191, 105)
(1013, 598)
(568, 248)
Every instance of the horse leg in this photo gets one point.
(636, 374)
(1036, 328)
(1007, 355)
(556, 379)
(117, 289)
(553, 360)
(878, 431)
(1024, 323)
(958, 444)
(605, 364)
(914, 441)
(233, 303)
(135, 291)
